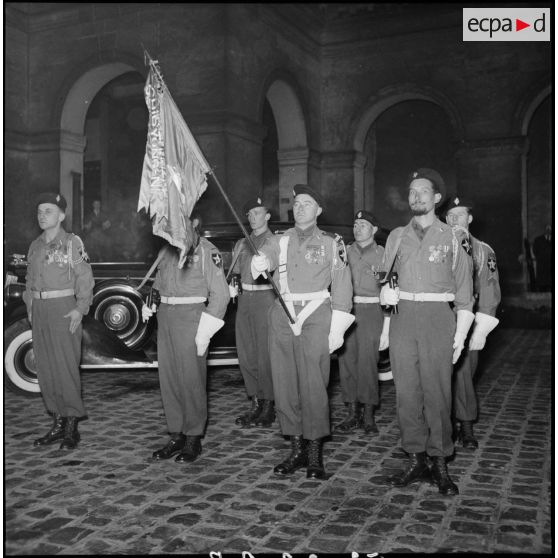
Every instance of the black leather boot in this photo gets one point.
(467, 436)
(267, 414)
(352, 420)
(192, 450)
(174, 446)
(368, 422)
(71, 434)
(55, 433)
(296, 459)
(441, 477)
(417, 470)
(315, 469)
(252, 414)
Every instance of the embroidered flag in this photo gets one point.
(174, 168)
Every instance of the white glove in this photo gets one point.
(233, 291)
(484, 324)
(464, 321)
(384, 336)
(389, 296)
(147, 312)
(259, 264)
(208, 326)
(340, 323)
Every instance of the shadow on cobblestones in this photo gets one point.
(109, 497)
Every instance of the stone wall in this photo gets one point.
(219, 61)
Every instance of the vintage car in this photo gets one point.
(114, 335)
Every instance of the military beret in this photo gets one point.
(305, 189)
(432, 175)
(250, 204)
(459, 201)
(51, 197)
(367, 216)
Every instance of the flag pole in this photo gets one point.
(153, 64)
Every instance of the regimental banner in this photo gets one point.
(174, 168)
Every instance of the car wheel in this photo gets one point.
(20, 371)
(117, 305)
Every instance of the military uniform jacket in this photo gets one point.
(242, 264)
(365, 264)
(486, 282)
(57, 265)
(316, 261)
(437, 264)
(201, 276)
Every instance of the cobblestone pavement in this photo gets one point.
(108, 497)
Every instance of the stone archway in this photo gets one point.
(536, 204)
(378, 104)
(72, 125)
(293, 152)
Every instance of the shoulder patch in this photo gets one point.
(83, 256)
(491, 263)
(466, 245)
(217, 259)
(340, 258)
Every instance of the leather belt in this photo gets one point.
(52, 294)
(249, 287)
(366, 299)
(304, 297)
(427, 297)
(182, 299)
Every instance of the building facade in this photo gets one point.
(347, 97)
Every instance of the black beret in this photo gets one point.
(460, 201)
(51, 197)
(433, 176)
(367, 216)
(250, 204)
(305, 189)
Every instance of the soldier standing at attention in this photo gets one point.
(58, 293)
(424, 339)
(185, 327)
(251, 321)
(307, 261)
(486, 287)
(358, 363)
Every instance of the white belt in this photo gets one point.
(304, 297)
(182, 299)
(366, 299)
(249, 287)
(427, 297)
(52, 294)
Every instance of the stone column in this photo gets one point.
(72, 148)
(489, 172)
(232, 145)
(338, 186)
(293, 169)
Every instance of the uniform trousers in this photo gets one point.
(300, 370)
(251, 329)
(58, 354)
(358, 362)
(182, 374)
(464, 396)
(420, 349)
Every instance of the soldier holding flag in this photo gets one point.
(185, 327)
